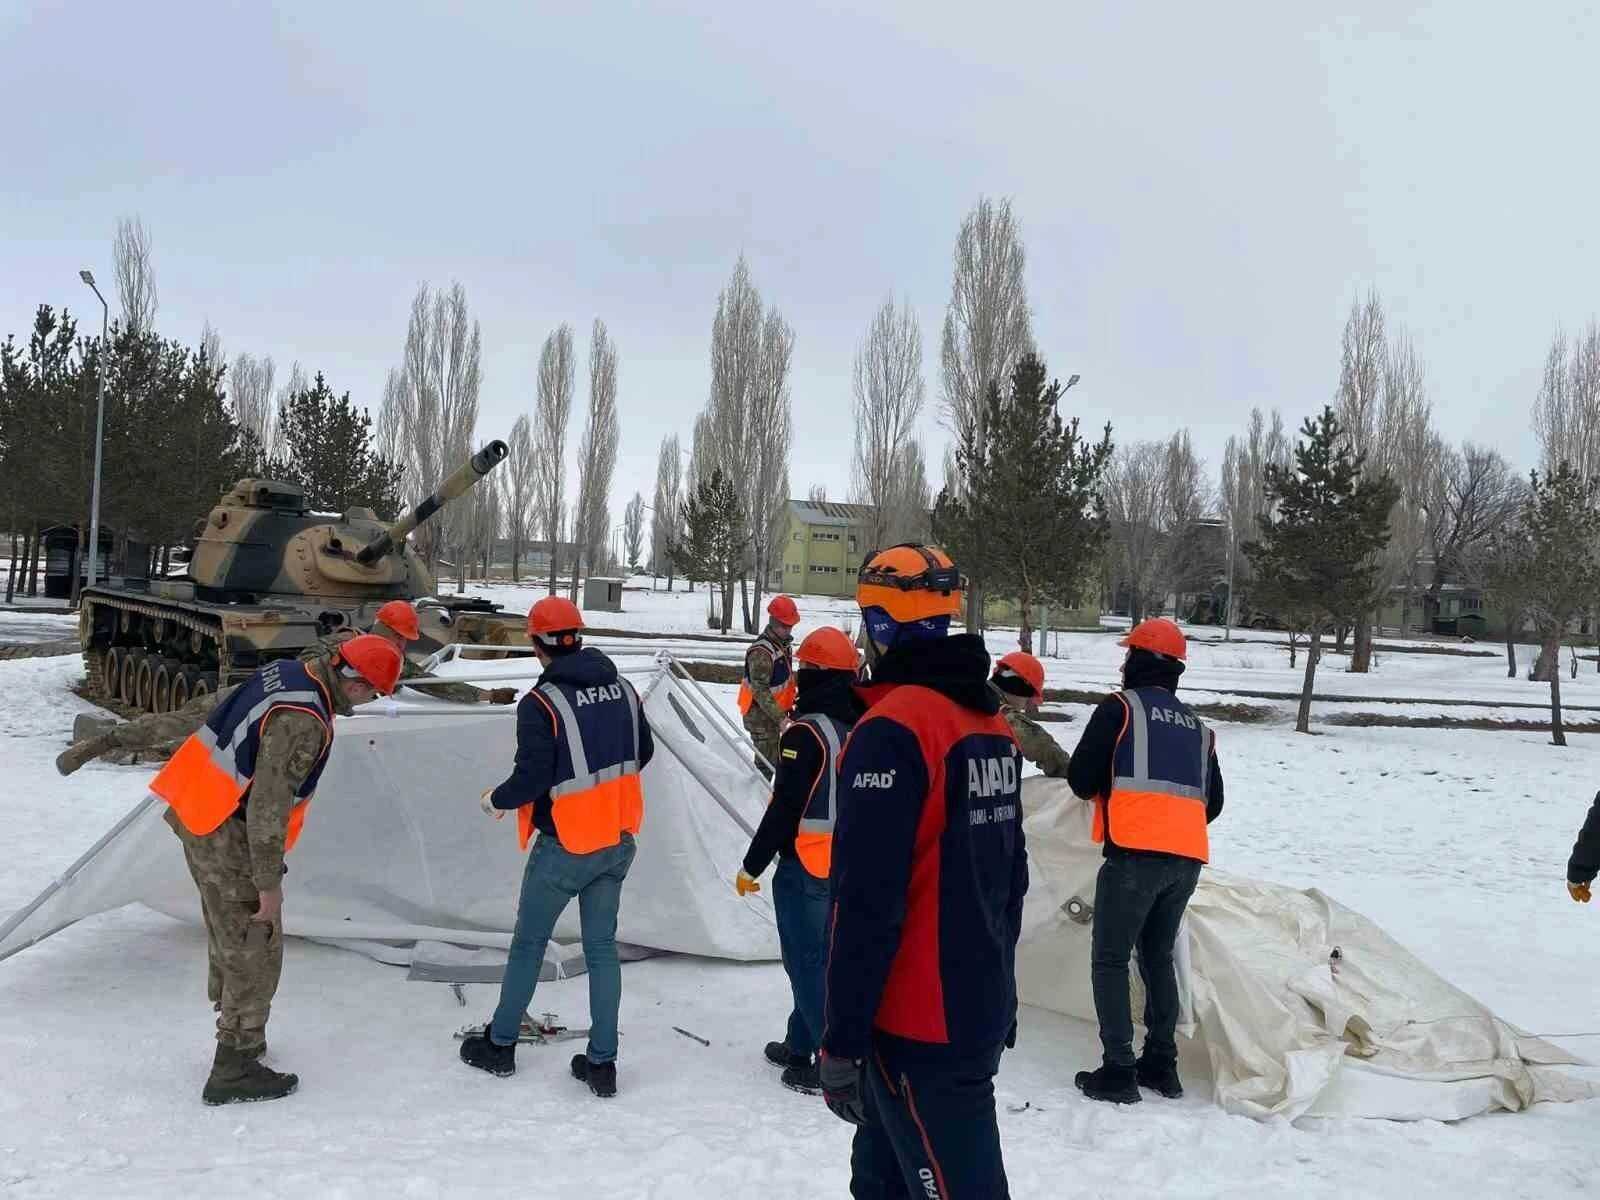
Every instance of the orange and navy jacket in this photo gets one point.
(929, 863)
(208, 779)
(582, 740)
(1149, 763)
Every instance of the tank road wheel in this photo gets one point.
(166, 673)
(111, 671)
(144, 683)
(205, 684)
(128, 678)
(183, 687)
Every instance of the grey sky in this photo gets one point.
(1202, 190)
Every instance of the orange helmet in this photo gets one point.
(1159, 636)
(400, 617)
(373, 658)
(1021, 665)
(784, 611)
(910, 582)
(555, 621)
(829, 649)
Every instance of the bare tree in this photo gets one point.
(435, 394)
(633, 530)
(1476, 496)
(986, 329)
(1185, 498)
(521, 490)
(551, 413)
(387, 440)
(597, 455)
(254, 405)
(1135, 491)
(664, 516)
(1566, 415)
(136, 281)
(910, 499)
(1244, 494)
(211, 345)
(888, 402)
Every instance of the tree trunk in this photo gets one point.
(1302, 721)
(577, 565)
(552, 568)
(974, 605)
(1549, 661)
(745, 611)
(1511, 655)
(11, 571)
(33, 561)
(463, 557)
(516, 555)
(1361, 650)
(727, 604)
(1025, 635)
(1557, 734)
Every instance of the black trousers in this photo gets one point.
(1138, 903)
(932, 1132)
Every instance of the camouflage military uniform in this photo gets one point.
(764, 721)
(150, 736)
(457, 693)
(1038, 747)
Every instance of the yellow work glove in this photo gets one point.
(1580, 892)
(745, 883)
(483, 802)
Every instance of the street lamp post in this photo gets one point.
(99, 426)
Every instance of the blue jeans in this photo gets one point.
(552, 878)
(800, 903)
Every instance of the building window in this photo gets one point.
(819, 570)
(823, 535)
(798, 536)
(852, 543)
(1471, 604)
(794, 568)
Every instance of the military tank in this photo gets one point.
(266, 578)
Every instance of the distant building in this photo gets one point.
(822, 548)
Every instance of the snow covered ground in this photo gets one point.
(1455, 841)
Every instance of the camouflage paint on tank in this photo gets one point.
(266, 579)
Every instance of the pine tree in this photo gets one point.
(714, 540)
(1027, 514)
(328, 451)
(1316, 561)
(1560, 565)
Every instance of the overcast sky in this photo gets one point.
(1203, 189)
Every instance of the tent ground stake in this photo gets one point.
(692, 1036)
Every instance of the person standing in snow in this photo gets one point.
(582, 740)
(1584, 864)
(766, 693)
(798, 828)
(929, 874)
(237, 792)
(1150, 766)
(1019, 678)
(397, 622)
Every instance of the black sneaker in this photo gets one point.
(1117, 1085)
(1159, 1076)
(803, 1077)
(778, 1054)
(601, 1077)
(479, 1051)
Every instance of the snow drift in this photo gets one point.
(398, 862)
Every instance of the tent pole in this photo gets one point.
(16, 919)
(696, 694)
(686, 761)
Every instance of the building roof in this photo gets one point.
(826, 513)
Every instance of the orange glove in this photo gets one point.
(745, 884)
(1580, 891)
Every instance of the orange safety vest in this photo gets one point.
(1161, 772)
(783, 685)
(208, 777)
(813, 841)
(591, 808)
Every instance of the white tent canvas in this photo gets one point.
(398, 862)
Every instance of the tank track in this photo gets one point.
(157, 659)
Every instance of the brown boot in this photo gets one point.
(238, 1079)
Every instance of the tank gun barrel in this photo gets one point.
(474, 469)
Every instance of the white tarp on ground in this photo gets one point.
(397, 858)
(1287, 1030)
(399, 862)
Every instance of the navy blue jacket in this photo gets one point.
(605, 728)
(929, 865)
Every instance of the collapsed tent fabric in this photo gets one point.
(398, 855)
(1289, 1029)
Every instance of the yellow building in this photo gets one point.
(822, 549)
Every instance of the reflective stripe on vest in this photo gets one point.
(593, 809)
(1151, 813)
(813, 842)
(206, 780)
(783, 685)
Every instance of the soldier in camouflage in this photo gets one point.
(767, 690)
(1019, 680)
(397, 622)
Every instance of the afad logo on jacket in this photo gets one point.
(595, 695)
